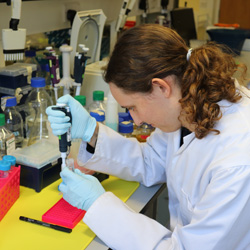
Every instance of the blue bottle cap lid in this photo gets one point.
(126, 127)
(5, 165)
(124, 115)
(38, 82)
(121, 119)
(98, 115)
(10, 158)
(30, 53)
(10, 101)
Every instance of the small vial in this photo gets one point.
(12, 160)
(4, 169)
(126, 129)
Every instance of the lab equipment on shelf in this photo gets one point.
(13, 119)
(7, 139)
(143, 132)
(124, 115)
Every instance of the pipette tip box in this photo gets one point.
(63, 214)
(9, 191)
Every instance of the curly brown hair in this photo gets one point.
(152, 51)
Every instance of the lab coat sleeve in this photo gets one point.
(220, 220)
(127, 158)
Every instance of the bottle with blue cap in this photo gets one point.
(38, 98)
(4, 169)
(99, 115)
(13, 119)
(126, 129)
(11, 159)
(7, 139)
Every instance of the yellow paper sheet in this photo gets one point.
(19, 235)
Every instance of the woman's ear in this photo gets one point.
(163, 85)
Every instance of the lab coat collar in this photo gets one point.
(186, 141)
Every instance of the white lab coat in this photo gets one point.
(208, 183)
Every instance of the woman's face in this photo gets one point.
(161, 108)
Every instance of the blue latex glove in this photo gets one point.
(83, 125)
(80, 190)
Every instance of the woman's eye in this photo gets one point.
(131, 109)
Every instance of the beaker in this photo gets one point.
(39, 127)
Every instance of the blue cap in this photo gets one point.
(98, 115)
(121, 119)
(38, 82)
(124, 115)
(126, 127)
(5, 165)
(11, 159)
(30, 53)
(10, 101)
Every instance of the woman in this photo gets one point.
(153, 73)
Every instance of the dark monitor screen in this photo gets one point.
(182, 20)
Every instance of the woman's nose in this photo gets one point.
(137, 121)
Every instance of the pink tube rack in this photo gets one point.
(63, 214)
(9, 191)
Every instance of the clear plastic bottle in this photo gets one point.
(126, 129)
(98, 101)
(4, 169)
(7, 139)
(39, 126)
(13, 119)
(112, 112)
(37, 96)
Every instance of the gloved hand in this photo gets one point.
(83, 125)
(79, 189)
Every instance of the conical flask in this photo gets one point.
(39, 129)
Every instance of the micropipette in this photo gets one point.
(65, 139)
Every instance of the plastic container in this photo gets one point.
(98, 101)
(17, 75)
(7, 139)
(126, 129)
(41, 164)
(13, 119)
(112, 112)
(98, 115)
(4, 169)
(37, 101)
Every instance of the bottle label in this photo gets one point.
(10, 145)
